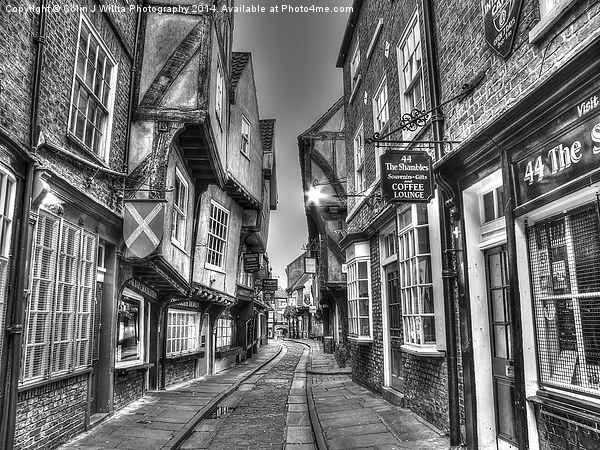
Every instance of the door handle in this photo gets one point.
(510, 368)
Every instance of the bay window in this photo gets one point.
(359, 292)
(415, 281)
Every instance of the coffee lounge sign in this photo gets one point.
(564, 159)
(406, 176)
(500, 19)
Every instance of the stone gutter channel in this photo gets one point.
(296, 433)
(210, 408)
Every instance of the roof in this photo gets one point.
(299, 282)
(356, 5)
(239, 61)
(267, 132)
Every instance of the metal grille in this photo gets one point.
(565, 263)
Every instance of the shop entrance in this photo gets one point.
(395, 324)
(501, 342)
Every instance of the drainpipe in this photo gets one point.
(15, 330)
(448, 271)
(133, 76)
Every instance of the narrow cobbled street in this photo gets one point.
(293, 396)
(256, 415)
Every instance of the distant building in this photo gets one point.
(322, 150)
(304, 322)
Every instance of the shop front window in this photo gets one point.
(129, 340)
(359, 299)
(224, 333)
(183, 333)
(415, 280)
(565, 261)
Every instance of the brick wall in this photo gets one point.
(463, 52)
(558, 430)
(55, 96)
(16, 70)
(178, 371)
(128, 387)
(426, 388)
(51, 414)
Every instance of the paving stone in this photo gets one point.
(299, 435)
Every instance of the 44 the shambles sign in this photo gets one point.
(406, 176)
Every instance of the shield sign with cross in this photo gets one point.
(143, 225)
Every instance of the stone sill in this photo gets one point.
(186, 356)
(228, 352)
(426, 352)
(137, 367)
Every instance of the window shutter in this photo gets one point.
(66, 299)
(37, 349)
(86, 303)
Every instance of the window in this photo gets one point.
(180, 201)
(551, 11)
(410, 60)
(7, 205)
(354, 66)
(246, 279)
(219, 94)
(60, 312)
(217, 235)
(549, 7)
(359, 292)
(359, 159)
(183, 331)
(492, 204)
(245, 145)
(389, 244)
(224, 333)
(416, 289)
(130, 330)
(565, 261)
(93, 86)
(380, 107)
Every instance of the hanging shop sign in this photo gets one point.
(143, 223)
(406, 176)
(500, 19)
(251, 262)
(310, 265)
(142, 289)
(269, 284)
(562, 160)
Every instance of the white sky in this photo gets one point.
(294, 56)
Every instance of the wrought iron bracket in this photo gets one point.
(419, 118)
